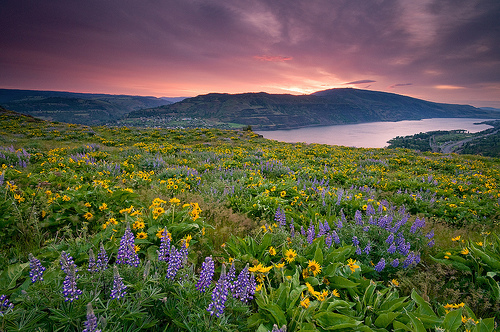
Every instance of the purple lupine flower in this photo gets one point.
(92, 264)
(219, 295)
(184, 252)
(368, 248)
(355, 241)
(326, 226)
(366, 228)
(328, 240)
(174, 263)
(419, 223)
(404, 248)
(277, 329)
(335, 237)
(206, 275)
(380, 265)
(119, 289)
(321, 230)
(66, 262)
(70, 289)
(431, 243)
(102, 259)
(370, 210)
(411, 260)
(5, 304)
(372, 221)
(358, 217)
(310, 233)
(358, 250)
(230, 276)
(392, 248)
(390, 238)
(91, 322)
(244, 288)
(164, 251)
(292, 229)
(395, 263)
(126, 252)
(302, 231)
(36, 269)
(280, 217)
(430, 235)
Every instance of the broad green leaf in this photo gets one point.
(423, 307)
(485, 325)
(277, 314)
(452, 320)
(455, 264)
(492, 262)
(394, 304)
(397, 325)
(341, 282)
(318, 255)
(385, 319)
(255, 319)
(9, 276)
(333, 321)
(418, 326)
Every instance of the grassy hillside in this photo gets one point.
(279, 111)
(208, 230)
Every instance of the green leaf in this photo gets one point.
(485, 325)
(318, 255)
(341, 282)
(384, 320)
(397, 325)
(277, 314)
(394, 304)
(452, 320)
(9, 277)
(333, 321)
(455, 264)
(423, 307)
(492, 262)
(255, 320)
(418, 326)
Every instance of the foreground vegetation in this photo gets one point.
(205, 230)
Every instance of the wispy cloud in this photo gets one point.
(361, 82)
(399, 84)
(273, 58)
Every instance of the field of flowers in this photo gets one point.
(127, 229)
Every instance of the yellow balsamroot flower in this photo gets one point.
(395, 282)
(305, 303)
(19, 198)
(290, 255)
(103, 207)
(158, 211)
(335, 293)
(138, 224)
(88, 215)
(66, 198)
(159, 234)
(480, 243)
(142, 235)
(175, 201)
(465, 251)
(283, 193)
(455, 239)
(87, 204)
(258, 287)
(280, 265)
(322, 296)
(137, 248)
(352, 264)
(272, 251)
(314, 267)
(186, 240)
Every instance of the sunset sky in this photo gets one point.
(438, 50)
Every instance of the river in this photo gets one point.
(372, 134)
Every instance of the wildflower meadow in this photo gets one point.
(129, 229)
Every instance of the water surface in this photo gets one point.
(373, 134)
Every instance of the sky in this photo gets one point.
(437, 50)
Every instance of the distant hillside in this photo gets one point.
(265, 111)
(83, 108)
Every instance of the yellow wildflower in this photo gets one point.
(142, 235)
(66, 198)
(88, 215)
(272, 251)
(352, 264)
(314, 267)
(335, 293)
(290, 255)
(305, 303)
(455, 239)
(87, 204)
(175, 201)
(465, 251)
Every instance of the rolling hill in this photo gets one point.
(82, 108)
(265, 111)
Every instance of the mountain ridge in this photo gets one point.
(264, 111)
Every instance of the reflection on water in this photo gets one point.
(373, 134)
